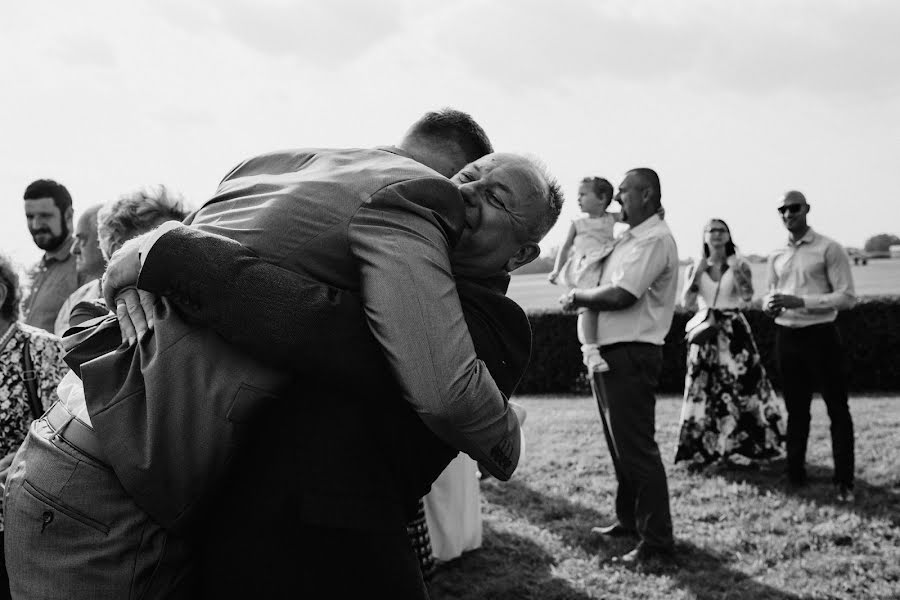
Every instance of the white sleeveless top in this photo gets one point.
(728, 293)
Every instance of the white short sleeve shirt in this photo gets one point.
(645, 264)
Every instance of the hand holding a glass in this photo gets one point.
(776, 302)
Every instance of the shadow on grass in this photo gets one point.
(872, 501)
(506, 567)
(707, 576)
(570, 521)
(703, 573)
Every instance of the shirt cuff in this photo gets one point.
(154, 235)
(817, 301)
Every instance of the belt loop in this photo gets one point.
(56, 434)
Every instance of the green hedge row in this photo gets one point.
(870, 331)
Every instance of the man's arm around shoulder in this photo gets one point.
(401, 239)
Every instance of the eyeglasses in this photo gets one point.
(790, 208)
(716, 230)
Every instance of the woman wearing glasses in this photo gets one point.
(730, 412)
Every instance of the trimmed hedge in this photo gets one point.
(870, 332)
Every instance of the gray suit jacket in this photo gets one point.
(380, 226)
(363, 224)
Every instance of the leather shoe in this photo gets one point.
(844, 494)
(616, 530)
(643, 553)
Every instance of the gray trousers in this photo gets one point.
(72, 532)
(642, 499)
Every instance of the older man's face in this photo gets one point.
(631, 197)
(504, 194)
(88, 258)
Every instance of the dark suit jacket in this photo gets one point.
(346, 479)
(169, 433)
(290, 487)
(264, 323)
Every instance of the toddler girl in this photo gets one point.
(579, 262)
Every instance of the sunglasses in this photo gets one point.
(790, 208)
(716, 230)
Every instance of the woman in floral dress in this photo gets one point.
(16, 413)
(730, 412)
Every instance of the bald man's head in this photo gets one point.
(793, 210)
(795, 197)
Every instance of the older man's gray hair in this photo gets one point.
(554, 202)
(137, 212)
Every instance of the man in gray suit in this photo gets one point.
(366, 224)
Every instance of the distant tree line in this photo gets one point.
(880, 244)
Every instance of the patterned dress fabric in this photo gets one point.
(730, 407)
(417, 529)
(15, 410)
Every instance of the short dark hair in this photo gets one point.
(600, 186)
(449, 124)
(9, 277)
(47, 188)
(650, 179)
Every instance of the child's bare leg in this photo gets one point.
(587, 335)
(587, 327)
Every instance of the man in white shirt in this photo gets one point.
(809, 281)
(636, 301)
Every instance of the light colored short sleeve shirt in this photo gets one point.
(645, 264)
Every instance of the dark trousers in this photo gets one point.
(809, 359)
(642, 500)
(4, 576)
(312, 562)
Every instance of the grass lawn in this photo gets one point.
(739, 534)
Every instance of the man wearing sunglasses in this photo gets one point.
(809, 281)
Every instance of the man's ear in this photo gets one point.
(524, 255)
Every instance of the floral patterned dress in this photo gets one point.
(730, 407)
(15, 409)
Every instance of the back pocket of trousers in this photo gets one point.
(52, 503)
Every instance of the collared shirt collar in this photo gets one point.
(807, 238)
(644, 228)
(62, 253)
(499, 282)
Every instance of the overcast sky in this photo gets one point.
(733, 102)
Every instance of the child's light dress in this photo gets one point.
(593, 242)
